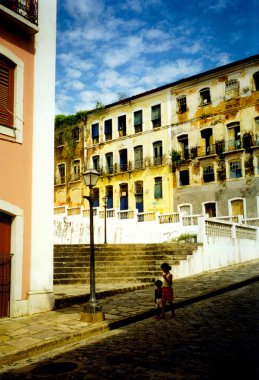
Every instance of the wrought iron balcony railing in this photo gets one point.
(25, 8)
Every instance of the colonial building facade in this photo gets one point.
(190, 147)
(27, 83)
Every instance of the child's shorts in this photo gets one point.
(167, 294)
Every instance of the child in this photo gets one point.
(158, 297)
(167, 290)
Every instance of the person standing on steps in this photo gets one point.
(167, 289)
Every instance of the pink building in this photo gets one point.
(27, 91)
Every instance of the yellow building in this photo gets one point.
(190, 146)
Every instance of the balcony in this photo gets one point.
(21, 13)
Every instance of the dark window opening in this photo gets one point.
(205, 96)
(208, 174)
(95, 133)
(256, 80)
(109, 163)
(108, 129)
(184, 179)
(123, 160)
(158, 153)
(181, 104)
(122, 126)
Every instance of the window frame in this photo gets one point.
(184, 184)
(16, 132)
(210, 174)
(95, 132)
(138, 126)
(158, 188)
(234, 170)
(181, 106)
(7, 68)
(205, 100)
(108, 129)
(156, 121)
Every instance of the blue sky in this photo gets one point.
(107, 49)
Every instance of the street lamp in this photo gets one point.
(105, 201)
(92, 310)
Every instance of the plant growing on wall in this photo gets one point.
(175, 158)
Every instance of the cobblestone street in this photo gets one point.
(216, 338)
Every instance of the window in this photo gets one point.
(76, 134)
(232, 89)
(207, 148)
(108, 129)
(156, 116)
(208, 173)
(234, 141)
(237, 207)
(123, 160)
(158, 193)
(6, 92)
(158, 153)
(76, 170)
(257, 131)
(184, 146)
(210, 209)
(205, 96)
(181, 104)
(95, 133)
(122, 125)
(256, 81)
(184, 179)
(109, 163)
(96, 163)
(60, 139)
(235, 170)
(138, 120)
(61, 174)
(96, 201)
(109, 194)
(138, 157)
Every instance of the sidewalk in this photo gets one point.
(27, 336)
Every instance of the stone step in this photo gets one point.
(116, 263)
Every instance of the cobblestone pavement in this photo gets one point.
(26, 337)
(217, 338)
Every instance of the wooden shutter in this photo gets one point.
(6, 92)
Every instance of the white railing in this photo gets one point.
(251, 222)
(190, 220)
(74, 211)
(146, 216)
(126, 214)
(169, 218)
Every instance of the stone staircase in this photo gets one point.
(117, 263)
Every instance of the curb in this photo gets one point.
(67, 301)
(108, 326)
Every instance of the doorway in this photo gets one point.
(5, 263)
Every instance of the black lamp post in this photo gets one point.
(92, 310)
(105, 200)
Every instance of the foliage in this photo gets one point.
(175, 156)
(62, 121)
(186, 236)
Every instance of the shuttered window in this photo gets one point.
(6, 92)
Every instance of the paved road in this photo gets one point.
(216, 338)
